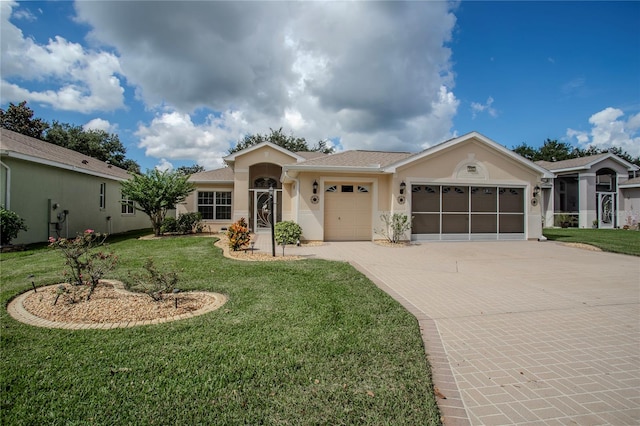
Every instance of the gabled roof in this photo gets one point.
(26, 148)
(472, 135)
(231, 158)
(583, 163)
(357, 159)
(631, 183)
(222, 175)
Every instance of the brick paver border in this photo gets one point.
(18, 312)
(448, 395)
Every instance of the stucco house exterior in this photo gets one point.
(466, 188)
(598, 190)
(60, 192)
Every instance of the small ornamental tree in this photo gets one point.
(395, 225)
(87, 263)
(10, 225)
(156, 192)
(238, 235)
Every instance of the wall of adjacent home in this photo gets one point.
(629, 207)
(35, 190)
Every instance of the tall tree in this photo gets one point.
(276, 137)
(156, 192)
(19, 118)
(552, 150)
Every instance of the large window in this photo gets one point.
(215, 205)
(127, 205)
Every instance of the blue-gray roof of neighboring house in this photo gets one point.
(26, 148)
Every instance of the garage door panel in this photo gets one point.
(347, 212)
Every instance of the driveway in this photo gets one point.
(517, 332)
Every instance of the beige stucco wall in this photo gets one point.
(310, 216)
(449, 166)
(191, 205)
(33, 185)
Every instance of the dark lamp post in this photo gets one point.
(272, 193)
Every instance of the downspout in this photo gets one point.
(296, 205)
(7, 191)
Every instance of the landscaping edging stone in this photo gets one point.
(16, 309)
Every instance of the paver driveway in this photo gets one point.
(518, 332)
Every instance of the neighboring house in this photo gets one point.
(467, 188)
(594, 190)
(60, 192)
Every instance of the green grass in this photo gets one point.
(304, 342)
(613, 240)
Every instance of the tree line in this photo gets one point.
(552, 150)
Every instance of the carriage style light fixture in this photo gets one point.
(315, 186)
(403, 186)
(536, 191)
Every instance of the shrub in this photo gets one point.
(396, 225)
(10, 225)
(154, 283)
(86, 263)
(238, 235)
(189, 222)
(287, 232)
(169, 224)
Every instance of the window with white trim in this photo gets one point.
(103, 195)
(126, 205)
(215, 205)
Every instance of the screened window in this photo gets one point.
(126, 205)
(215, 205)
(103, 195)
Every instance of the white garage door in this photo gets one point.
(450, 212)
(347, 212)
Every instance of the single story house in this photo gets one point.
(60, 192)
(466, 188)
(596, 191)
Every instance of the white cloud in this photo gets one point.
(173, 135)
(321, 70)
(164, 165)
(478, 108)
(77, 79)
(100, 124)
(610, 129)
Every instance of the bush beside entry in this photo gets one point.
(287, 232)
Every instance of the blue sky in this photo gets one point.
(182, 82)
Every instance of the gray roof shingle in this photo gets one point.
(358, 158)
(57, 156)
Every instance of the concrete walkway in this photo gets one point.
(516, 332)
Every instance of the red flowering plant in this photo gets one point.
(86, 262)
(239, 235)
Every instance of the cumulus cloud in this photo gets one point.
(100, 124)
(164, 165)
(79, 79)
(369, 74)
(477, 108)
(609, 128)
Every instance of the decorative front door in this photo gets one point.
(262, 212)
(606, 209)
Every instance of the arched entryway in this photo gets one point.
(606, 197)
(262, 177)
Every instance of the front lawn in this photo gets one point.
(613, 240)
(301, 342)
